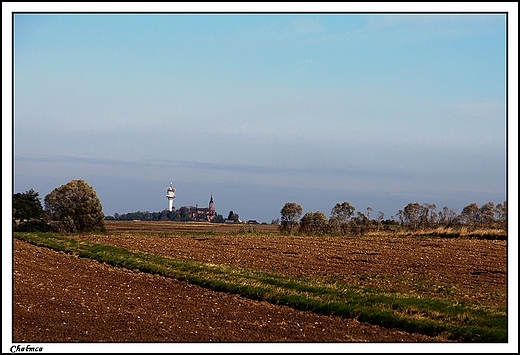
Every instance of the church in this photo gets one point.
(205, 214)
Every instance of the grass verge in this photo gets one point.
(428, 316)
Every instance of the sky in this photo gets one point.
(258, 109)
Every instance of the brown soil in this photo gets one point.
(469, 270)
(62, 298)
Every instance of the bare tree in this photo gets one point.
(447, 216)
(380, 217)
(369, 210)
(431, 214)
(340, 216)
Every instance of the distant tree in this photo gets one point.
(470, 214)
(156, 216)
(447, 216)
(140, 216)
(501, 213)
(412, 215)
(28, 213)
(290, 214)
(218, 219)
(340, 216)
(75, 207)
(369, 210)
(174, 215)
(314, 223)
(428, 214)
(275, 221)
(165, 215)
(415, 215)
(184, 214)
(380, 217)
(487, 213)
(361, 223)
(27, 206)
(306, 223)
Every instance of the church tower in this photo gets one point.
(211, 204)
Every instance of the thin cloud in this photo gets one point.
(207, 166)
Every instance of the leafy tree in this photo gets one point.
(165, 215)
(306, 223)
(27, 206)
(140, 216)
(361, 223)
(28, 213)
(75, 207)
(314, 223)
(290, 214)
(218, 219)
(174, 215)
(184, 214)
(340, 216)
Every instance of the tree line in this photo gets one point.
(177, 215)
(75, 207)
(344, 219)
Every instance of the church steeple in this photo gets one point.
(211, 204)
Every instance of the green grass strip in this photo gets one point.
(428, 316)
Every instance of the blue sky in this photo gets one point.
(261, 109)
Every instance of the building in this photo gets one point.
(203, 213)
(170, 195)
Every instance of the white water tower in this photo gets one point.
(170, 195)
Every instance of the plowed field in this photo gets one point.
(62, 298)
